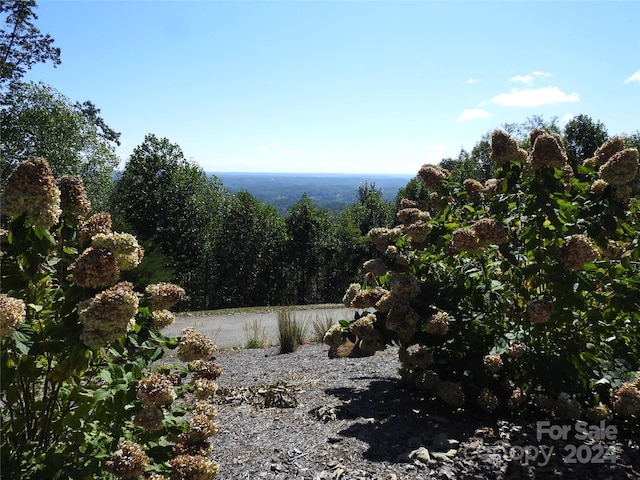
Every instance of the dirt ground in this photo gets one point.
(229, 330)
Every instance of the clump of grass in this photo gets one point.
(291, 331)
(255, 334)
(319, 326)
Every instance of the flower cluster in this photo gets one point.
(626, 399)
(367, 298)
(473, 188)
(382, 237)
(128, 461)
(156, 390)
(547, 150)
(489, 232)
(504, 149)
(12, 314)
(621, 168)
(487, 400)
(193, 467)
(164, 295)
(493, 363)
(98, 223)
(194, 345)
(334, 337)
(73, 198)
(108, 315)
(162, 318)
(451, 393)
(149, 418)
(416, 356)
(437, 324)
(539, 310)
(605, 152)
(363, 327)
(402, 319)
(433, 176)
(31, 190)
(516, 350)
(124, 247)
(464, 240)
(576, 251)
(205, 373)
(95, 268)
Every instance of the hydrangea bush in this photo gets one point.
(520, 291)
(81, 395)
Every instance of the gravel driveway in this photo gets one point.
(228, 330)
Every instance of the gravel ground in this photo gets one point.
(305, 416)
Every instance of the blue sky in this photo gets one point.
(337, 86)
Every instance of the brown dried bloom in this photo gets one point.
(31, 190)
(539, 310)
(156, 390)
(149, 418)
(201, 428)
(191, 467)
(13, 312)
(162, 318)
(364, 327)
(504, 149)
(437, 324)
(420, 204)
(464, 240)
(164, 295)
(626, 400)
(489, 232)
(194, 346)
(516, 350)
(350, 294)
(417, 356)
(516, 399)
(433, 176)
(73, 198)
(204, 387)
(402, 319)
(403, 286)
(128, 461)
(124, 247)
(418, 231)
(473, 188)
(576, 251)
(334, 337)
(568, 408)
(598, 413)
(606, 151)
(383, 237)
(188, 446)
(376, 266)
(621, 168)
(621, 193)
(108, 315)
(95, 268)
(487, 401)
(368, 298)
(493, 186)
(206, 409)
(407, 216)
(206, 369)
(387, 301)
(548, 151)
(98, 223)
(598, 187)
(493, 363)
(451, 394)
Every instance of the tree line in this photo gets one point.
(226, 250)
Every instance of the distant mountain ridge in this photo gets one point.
(331, 191)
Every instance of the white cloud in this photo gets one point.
(472, 114)
(534, 97)
(472, 80)
(633, 78)
(529, 78)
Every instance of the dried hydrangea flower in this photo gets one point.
(451, 394)
(201, 428)
(418, 231)
(493, 186)
(124, 247)
(368, 298)
(98, 223)
(432, 176)
(621, 168)
(188, 446)
(548, 151)
(204, 388)
(164, 295)
(376, 266)
(162, 318)
(504, 149)
(31, 190)
(190, 467)
(149, 418)
(194, 346)
(350, 294)
(598, 413)
(598, 187)
(576, 251)
(364, 327)
(411, 215)
(473, 188)
(516, 399)
(13, 312)
(73, 198)
(489, 232)
(493, 363)
(417, 356)
(128, 461)
(206, 369)
(568, 409)
(605, 152)
(464, 240)
(108, 315)
(207, 409)
(539, 310)
(403, 286)
(382, 237)
(621, 193)
(487, 401)
(516, 350)
(402, 319)
(156, 390)
(95, 268)
(626, 400)
(334, 337)
(437, 324)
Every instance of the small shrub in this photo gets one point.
(292, 332)
(319, 326)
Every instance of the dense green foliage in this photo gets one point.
(520, 290)
(80, 394)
